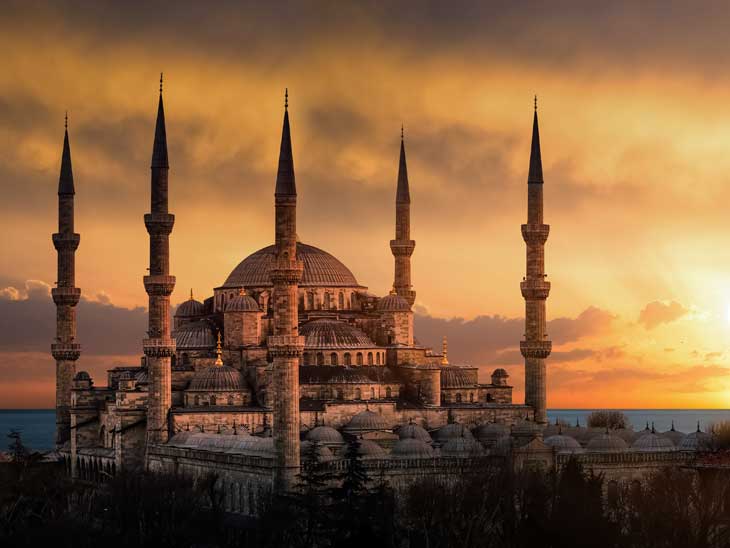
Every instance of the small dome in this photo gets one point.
(194, 336)
(414, 431)
(141, 377)
(82, 376)
(500, 373)
(461, 447)
(451, 431)
(393, 303)
(222, 378)
(607, 443)
(190, 309)
(696, 441)
(367, 449)
(324, 434)
(242, 303)
(652, 442)
(253, 446)
(324, 453)
(328, 333)
(411, 448)
(367, 421)
(675, 435)
(490, 433)
(564, 444)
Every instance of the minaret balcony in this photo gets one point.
(287, 271)
(159, 223)
(159, 285)
(66, 241)
(66, 296)
(536, 349)
(286, 345)
(402, 247)
(535, 290)
(535, 234)
(66, 351)
(158, 347)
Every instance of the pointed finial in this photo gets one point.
(445, 351)
(286, 98)
(160, 83)
(401, 132)
(65, 121)
(535, 103)
(393, 291)
(698, 426)
(672, 429)
(577, 422)
(560, 429)
(218, 351)
(191, 294)
(652, 428)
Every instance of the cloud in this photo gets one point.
(658, 312)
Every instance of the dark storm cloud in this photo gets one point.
(494, 339)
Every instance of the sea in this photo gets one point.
(37, 426)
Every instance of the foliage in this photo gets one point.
(612, 419)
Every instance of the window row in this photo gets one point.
(344, 358)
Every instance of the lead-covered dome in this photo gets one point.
(367, 421)
(218, 378)
(411, 448)
(607, 443)
(327, 333)
(564, 444)
(652, 443)
(194, 336)
(190, 309)
(393, 303)
(242, 303)
(320, 269)
(324, 434)
(414, 431)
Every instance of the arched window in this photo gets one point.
(471, 397)
(458, 397)
(310, 300)
(333, 358)
(490, 398)
(377, 358)
(358, 394)
(196, 400)
(326, 301)
(388, 392)
(335, 394)
(358, 358)
(372, 393)
(320, 358)
(348, 358)
(230, 400)
(212, 400)
(185, 359)
(342, 300)
(370, 358)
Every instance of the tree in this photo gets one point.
(612, 419)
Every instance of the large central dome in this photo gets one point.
(320, 269)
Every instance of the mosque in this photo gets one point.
(291, 352)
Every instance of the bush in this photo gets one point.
(720, 435)
(608, 419)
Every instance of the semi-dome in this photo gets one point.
(324, 434)
(217, 378)
(367, 421)
(461, 447)
(411, 448)
(393, 303)
(414, 431)
(459, 377)
(328, 333)
(451, 431)
(564, 444)
(242, 303)
(190, 308)
(194, 336)
(607, 443)
(320, 269)
(652, 442)
(368, 449)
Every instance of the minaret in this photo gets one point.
(66, 296)
(402, 247)
(535, 289)
(159, 346)
(285, 345)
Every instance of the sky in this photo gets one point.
(634, 121)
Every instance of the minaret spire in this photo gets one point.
(159, 347)
(535, 289)
(285, 345)
(402, 246)
(65, 295)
